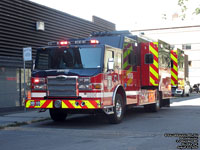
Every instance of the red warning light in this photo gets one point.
(63, 43)
(94, 42)
(36, 80)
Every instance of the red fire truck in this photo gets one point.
(102, 73)
(179, 73)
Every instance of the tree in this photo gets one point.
(183, 5)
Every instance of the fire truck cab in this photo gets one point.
(105, 72)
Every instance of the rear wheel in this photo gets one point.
(57, 114)
(183, 94)
(118, 109)
(166, 102)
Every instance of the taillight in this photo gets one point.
(39, 84)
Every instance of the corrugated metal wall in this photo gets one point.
(18, 28)
(103, 23)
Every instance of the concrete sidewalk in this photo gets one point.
(22, 118)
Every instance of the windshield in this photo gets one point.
(68, 58)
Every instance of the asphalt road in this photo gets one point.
(138, 131)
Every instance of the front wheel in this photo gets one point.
(118, 109)
(57, 114)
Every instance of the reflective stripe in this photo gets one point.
(153, 51)
(89, 105)
(39, 104)
(155, 63)
(74, 104)
(174, 70)
(96, 95)
(152, 81)
(106, 94)
(172, 81)
(125, 64)
(153, 68)
(81, 104)
(174, 75)
(174, 58)
(38, 94)
(153, 72)
(129, 93)
(64, 105)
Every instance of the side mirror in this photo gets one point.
(110, 64)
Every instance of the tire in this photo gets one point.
(153, 107)
(57, 114)
(118, 109)
(166, 102)
(183, 94)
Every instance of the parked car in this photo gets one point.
(196, 88)
(183, 88)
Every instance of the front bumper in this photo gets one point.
(65, 104)
(178, 92)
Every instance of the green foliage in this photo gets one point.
(197, 11)
(183, 5)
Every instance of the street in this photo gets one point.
(138, 131)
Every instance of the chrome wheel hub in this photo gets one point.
(118, 109)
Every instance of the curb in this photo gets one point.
(17, 124)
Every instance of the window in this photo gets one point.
(132, 58)
(186, 46)
(149, 59)
(190, 63)
(119, 60)
(108, 54)
(68, 58)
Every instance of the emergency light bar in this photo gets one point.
(62, 43)
(73, 42)
(110, 33)
(94, 42)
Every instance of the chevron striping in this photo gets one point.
(153, 72)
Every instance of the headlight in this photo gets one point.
(39, 87)
(39, 84)
(84, 83)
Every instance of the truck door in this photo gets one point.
(131, 80)
(112, 77)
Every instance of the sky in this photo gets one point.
(139, 15)
(126, 14)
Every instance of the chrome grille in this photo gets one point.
(61, 86)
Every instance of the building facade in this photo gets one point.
(184, 38)
(27, 24)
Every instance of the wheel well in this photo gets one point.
(121, 91)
